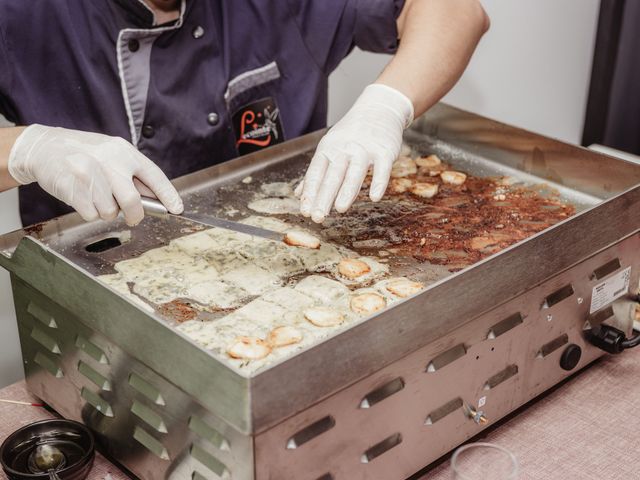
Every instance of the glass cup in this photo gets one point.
(484, 461)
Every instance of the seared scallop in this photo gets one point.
(323, 316)
(296, 238)
(454, 178)
(352, 268)
(249, 348)
(403, 287)
(367, 303)
(424, 190)
(403, 167)
(400, 185)
(283, 336)
(430, 162)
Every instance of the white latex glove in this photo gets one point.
(92, 173)
(370, 134)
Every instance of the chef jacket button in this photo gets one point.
(197, 32)
(213, 119)
(133, 45)
(148, 131)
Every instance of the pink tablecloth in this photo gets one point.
(588, 429)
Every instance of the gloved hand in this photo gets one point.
(370, 134)
(96, 174)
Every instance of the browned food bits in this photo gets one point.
(352, 268)
(249, 348)
(403, 287)
(430, 162)
(284, 336)
(367, 303)
(403, 167)
(400, 185)
(453, 178)
(296, 238)
(323, 316)
(424, 190)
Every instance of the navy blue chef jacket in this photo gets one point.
(228, 77)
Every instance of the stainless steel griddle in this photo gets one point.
(380, 400)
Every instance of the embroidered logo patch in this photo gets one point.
(257, 125)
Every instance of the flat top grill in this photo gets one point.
(598, 187)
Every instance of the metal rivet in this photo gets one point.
(213, 119)
(580, 300)
(549, 318)
(133, 45)
(197, 32)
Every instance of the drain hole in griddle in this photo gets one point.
(104, 243)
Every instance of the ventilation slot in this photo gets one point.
(382, 447)
(145, 388)
(312, 431)
(149, 416)
(441, 412)
(43, 316)
(606, 269)
(209, 461)
(150, 443)
(601, 315)
(48, 364)
(501, 377)
(379, 394)
(97, 402)
(557, 296)
(97, 378)
(45, 340)
(92, 350)
(205, 431)
(553, 345)
(446, 358)
(505, 325)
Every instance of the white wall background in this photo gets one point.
(531, 69)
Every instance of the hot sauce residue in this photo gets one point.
(178, 310)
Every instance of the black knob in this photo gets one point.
(570, 357)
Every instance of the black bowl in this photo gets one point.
(72, 438)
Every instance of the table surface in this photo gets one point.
(588, 428)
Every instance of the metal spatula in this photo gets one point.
(154, 208)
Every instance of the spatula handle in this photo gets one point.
(153, 207)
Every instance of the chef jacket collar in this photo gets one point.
(141, 15)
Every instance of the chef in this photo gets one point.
(116, 92)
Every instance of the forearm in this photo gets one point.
(8, 137)
(437, 39)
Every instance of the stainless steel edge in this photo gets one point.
(563, 164)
